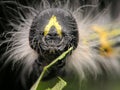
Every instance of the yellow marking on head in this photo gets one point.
(53, 22)
(105, 48)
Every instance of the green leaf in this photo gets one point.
(60, 85)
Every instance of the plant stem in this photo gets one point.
(37, 84)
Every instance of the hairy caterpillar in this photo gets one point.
(41, 32)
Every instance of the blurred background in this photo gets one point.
(102, 82)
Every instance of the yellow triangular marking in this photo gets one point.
(53, 22)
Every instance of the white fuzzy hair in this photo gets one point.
(87, 60)
(82, 59)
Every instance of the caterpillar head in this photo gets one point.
(52, 32)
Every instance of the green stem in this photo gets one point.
(51, 64)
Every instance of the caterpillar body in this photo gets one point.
(42, 32)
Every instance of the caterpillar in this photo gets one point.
(37, 33)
